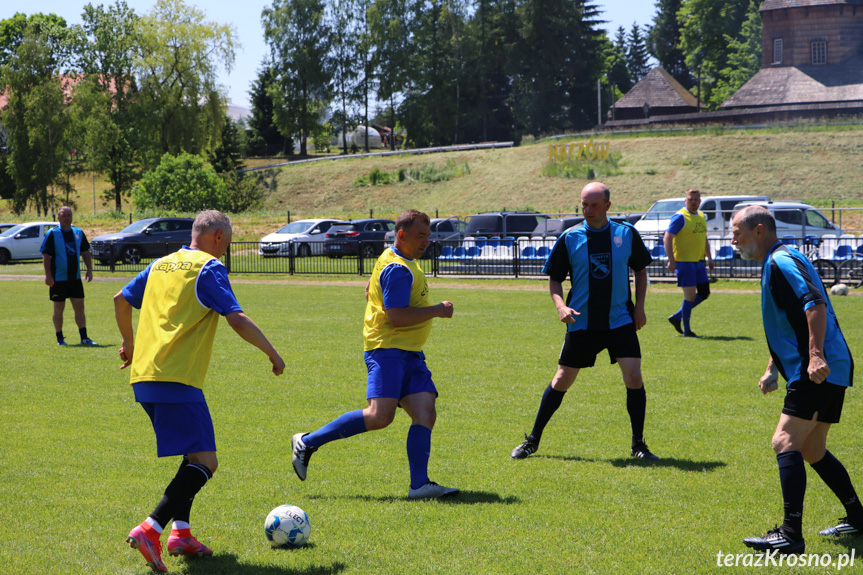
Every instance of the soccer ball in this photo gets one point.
(839, 289)
(287, 526)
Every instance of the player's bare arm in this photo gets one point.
(408, 316)
(249, 331)
(88, 261)
(770, 380)
(816, 318)
(708, 255)
(668, 243)
(123, 316)
(565, 313)
(46, 263)
(640, 317)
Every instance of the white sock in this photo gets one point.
(152, 522)
(181, 525)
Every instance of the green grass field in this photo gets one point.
(78, 467)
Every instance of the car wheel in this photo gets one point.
(131, 254)
(304, 251)
(4, 257)
(369, 251)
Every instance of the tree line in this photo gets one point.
(121, 91)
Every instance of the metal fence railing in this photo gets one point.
(837, 259)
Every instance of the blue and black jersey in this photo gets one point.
(598, 263)
(65, 248)
(790, 285)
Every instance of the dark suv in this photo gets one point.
(346, 239)
(150, 238)
(503, 224)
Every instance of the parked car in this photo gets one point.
(23, 241)
(442, 230)
(307, 236)
(150, 238)
(4, 227)
(503, 224)
(555, 226)
(344, 239)
(717, 211)
(796, 219)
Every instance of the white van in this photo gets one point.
(717, 211)
(796, 219)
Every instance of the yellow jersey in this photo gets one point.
(175, 333)
(690, 241)
(378, 332)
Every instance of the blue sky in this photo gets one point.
(245, 16)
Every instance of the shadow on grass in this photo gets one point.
(461, 498)
(682, 464)
(725, 337)
(848, 543)
(228, 564)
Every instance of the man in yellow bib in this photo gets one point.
(397, 323)
(181, 297)
(686, 247)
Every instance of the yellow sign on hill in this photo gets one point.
(589, 150)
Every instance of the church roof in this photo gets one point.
(801, 85)
(780, 4)
(658, 89)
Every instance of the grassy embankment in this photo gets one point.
(818, 165)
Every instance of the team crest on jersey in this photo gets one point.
(618, 241)
(600, 265)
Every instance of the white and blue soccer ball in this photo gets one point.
(839, 289)
(287, 526)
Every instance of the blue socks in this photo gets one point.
(419, 449)
(686, 310)
(344, 426)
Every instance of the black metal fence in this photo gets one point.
(835, 259)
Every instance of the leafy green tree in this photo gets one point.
(178, 58)
(343, 18)
(49, 27)
(105, 104)
(704, 27)
(36, 115)
(264, 136)
(298, 37)
(637, 58)
(663, 41)
(744, 58)
(559, 59)
(183, 183)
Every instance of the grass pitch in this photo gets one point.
(78, 468)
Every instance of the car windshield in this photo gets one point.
(137, 227)
(12, 231)
(296, 228)
(342, 228)
(663, 209)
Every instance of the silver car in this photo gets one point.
(307, 237)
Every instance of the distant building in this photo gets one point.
(811, 66)
(657, 94)
(811, 59)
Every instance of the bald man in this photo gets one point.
(598, 312)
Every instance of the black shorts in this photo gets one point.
(60, 291)
(804, 398)
(580, 347)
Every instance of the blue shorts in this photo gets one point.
(691, 273)
(397, 373)
(181, 428)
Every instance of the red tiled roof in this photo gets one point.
(781, 4)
